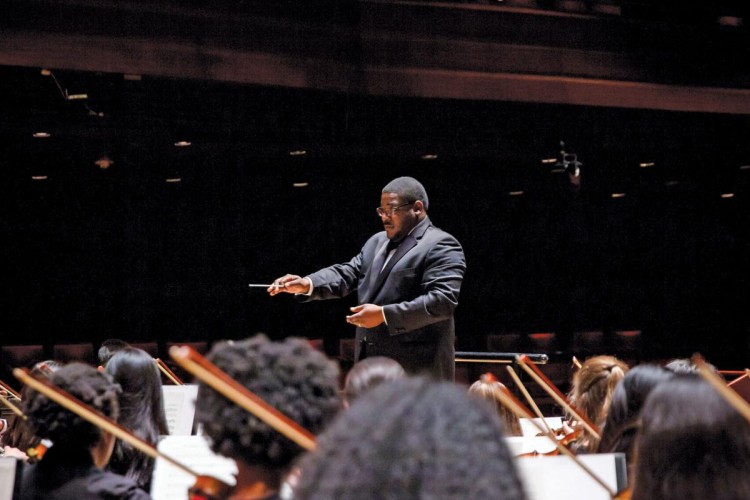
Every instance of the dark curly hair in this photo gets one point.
(290, 376)
(412, 438)
(49, 420)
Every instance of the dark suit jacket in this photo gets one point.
(418, 290)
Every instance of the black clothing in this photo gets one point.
(70, 474)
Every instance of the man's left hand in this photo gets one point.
(366, 316)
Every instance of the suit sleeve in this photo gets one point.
(336, 281)
(444, 270)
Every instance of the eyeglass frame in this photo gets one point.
(381, 212)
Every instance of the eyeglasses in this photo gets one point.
(388, 212)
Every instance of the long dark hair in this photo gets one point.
(141, 411)
(692, 445)
(628, 399)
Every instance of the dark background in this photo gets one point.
(90, 254)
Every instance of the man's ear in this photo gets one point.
(418, 206)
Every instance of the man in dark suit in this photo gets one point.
(407, 279)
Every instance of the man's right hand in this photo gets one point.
(289, 283)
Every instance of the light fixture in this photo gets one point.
(104, 162)
(183, 144)
(297, 152)
(515, 193)
(646, 164)
(173, 180)
(744, 167)
(727, 195)
(41, 135)
(618, 195)
(300, 184)
(429, 157)
(39, 177)
(549, 160)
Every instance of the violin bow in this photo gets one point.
(727, 393)
(5, 387)
(528, 397)
(520, 412)
(577, 363)
(73, 404)
(555, 393)
(218, 380)
(15, 409)
(168, 372)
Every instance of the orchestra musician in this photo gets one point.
(292, 377)
(623, 419)
(412, 438)
(141, 411)
(108, 349)
(72, 468)
(692, 445)
(486, 388)
(591, 394)
(369, 373)
(19, 439)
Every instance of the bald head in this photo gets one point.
(409, 189)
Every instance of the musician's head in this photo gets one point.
(108, 349)
(686, 366)
(403, 204)
(20, 435)
(628, 399)
(412, 438)
(139, 377)
(65, 429)
(369, 373)
(289, 375)
(592, 388)
(692, 444)
(141, 410)
(486, 389)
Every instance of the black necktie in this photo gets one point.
(392, 244)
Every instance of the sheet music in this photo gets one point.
(171, 483)
(559, 478)
(528, 429)
(7, 477)
(529, 444)
(179, 407)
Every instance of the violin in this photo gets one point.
(554, 392)
(513, 406)
(205, 487)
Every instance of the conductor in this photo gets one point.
(407, 280)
